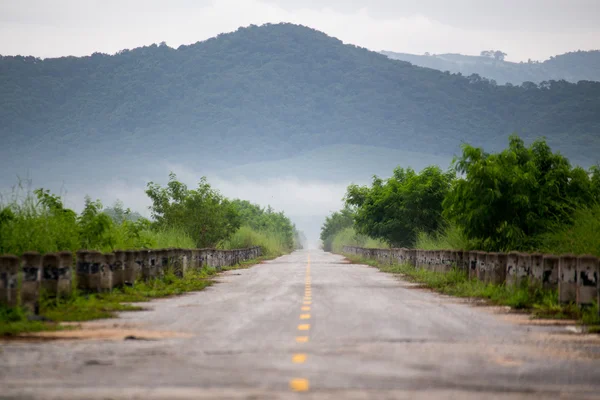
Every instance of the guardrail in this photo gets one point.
(23, 278)
(575, 277)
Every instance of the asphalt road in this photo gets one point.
(309, 325)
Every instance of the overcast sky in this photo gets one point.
(535, 29)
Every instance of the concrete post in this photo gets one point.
(512, 262)
(32, 280)
(524, 267)
(56, 274)
(9, 269)
(119, 269)
(130, 268)
(536, 276)
(481, 266)
(89, 269)
(567, 278)
(495, 270)
(106, 271)
(550, 273)
(587, 280)
(473, 264)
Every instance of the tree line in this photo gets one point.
(526, 198)
(185, 217)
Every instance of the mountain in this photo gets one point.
(264, 94)
(572, 67)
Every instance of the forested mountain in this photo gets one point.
(573, 67)
(268, 93)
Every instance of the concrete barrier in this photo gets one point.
(576, 278)
(97, 272)
(9, 269)
(567, 279)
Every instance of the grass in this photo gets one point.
(349, 237)
(451, 237)
(541, 303)
(14, 320)
(272, 244)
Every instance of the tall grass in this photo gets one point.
(349, 237)
(38, 221)
(271, 243)
(581, 237)
(451, 237)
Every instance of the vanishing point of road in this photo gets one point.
(308, 325)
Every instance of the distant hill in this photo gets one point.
(263, 94)
(572, 67)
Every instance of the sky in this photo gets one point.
(524, 29)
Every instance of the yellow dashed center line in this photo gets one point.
(298, 358)
(301, 384)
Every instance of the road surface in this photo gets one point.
(309, 325)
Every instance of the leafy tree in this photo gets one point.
(203, 213)
(334, 223)
(507, 200)
(396, 209)
(267, 221)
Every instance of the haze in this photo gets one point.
(535, 29)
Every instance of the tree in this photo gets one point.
(396, 209)
(335, 223)
(202, 213)
(507, 200)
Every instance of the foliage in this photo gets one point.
(202, 213)
(581, 237)
(396, 209)
(271, 244)
(270, 224)
(450, 236)
(335, 223)
(349, 237)
(506, 200)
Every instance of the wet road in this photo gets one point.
(309, 325)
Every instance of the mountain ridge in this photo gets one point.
(266, 93)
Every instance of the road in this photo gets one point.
(309, 325)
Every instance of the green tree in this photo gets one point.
(506, 200)
(334, 224)
(203, 213)
(396, 209)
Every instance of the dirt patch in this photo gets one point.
(99, 330)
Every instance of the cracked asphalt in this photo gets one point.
(308, 325)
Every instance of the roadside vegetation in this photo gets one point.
(541, 303)
(520, 199)
(37, 220)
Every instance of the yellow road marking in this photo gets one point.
(303, 327)
(307, 302)
(304, 316)
(298, 358)
(305, 308)
(299, 385)
(301, 339)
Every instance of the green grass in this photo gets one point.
(349, 237)
(451, 237)
(14, 320)
(541, 303)
(581, 237)
(271, 244)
